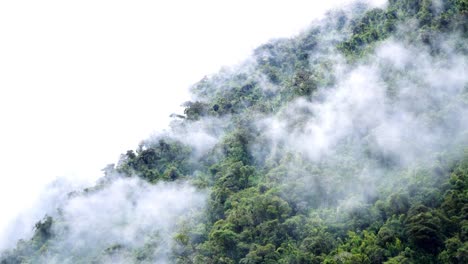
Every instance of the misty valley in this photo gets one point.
(347, 143)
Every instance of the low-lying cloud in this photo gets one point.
(120, 222)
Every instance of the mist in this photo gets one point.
(361, 102)
(111, 221)
(367, 129)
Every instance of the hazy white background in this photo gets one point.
(83, 81)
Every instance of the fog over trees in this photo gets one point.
(347, 143)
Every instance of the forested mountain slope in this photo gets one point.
(345, 144)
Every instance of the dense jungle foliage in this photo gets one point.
(353, 200)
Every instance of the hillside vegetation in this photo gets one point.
(345, 144)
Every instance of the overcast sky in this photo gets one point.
(83, 81)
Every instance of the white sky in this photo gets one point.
(83, 81)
